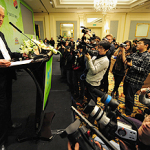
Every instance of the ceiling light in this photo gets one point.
(51, 2)
(104, 5)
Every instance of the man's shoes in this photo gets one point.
(117, 95)
(2, 147)
(112, 94)
(16, 125)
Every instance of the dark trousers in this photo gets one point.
(129, 92)
(5, 105)
(89, 93)
(77, 82)
(69, 80)
(118, 80)
(104, 82)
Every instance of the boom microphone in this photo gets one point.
(24, 35)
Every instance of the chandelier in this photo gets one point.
(104, 5)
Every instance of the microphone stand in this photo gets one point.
(24, 35)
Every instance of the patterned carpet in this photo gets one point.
(138, 107)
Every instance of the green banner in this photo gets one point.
(13, 14)
(48, 76)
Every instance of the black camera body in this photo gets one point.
(128, 59)
(85, 30)
(81, 135)
(91, 52)
(75, 52)
(60, 41)
(123, 45)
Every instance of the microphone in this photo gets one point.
(15, 27)
(106, 99)
(24, 35)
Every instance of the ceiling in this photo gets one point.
(78, 6)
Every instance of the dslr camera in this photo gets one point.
(128, 59)
(123, 45)
(91, 52)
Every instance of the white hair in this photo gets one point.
(2, 7)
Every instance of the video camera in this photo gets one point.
(60, 41)
(110, 127)
(81, 135)
(107, 119)
(85, 30)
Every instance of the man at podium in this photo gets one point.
(6, 76)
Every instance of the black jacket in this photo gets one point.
(8, 70)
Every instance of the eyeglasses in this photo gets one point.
(100, 47)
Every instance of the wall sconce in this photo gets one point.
(106, 27)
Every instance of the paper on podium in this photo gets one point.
(16, 63)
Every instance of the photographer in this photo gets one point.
(104, 83)
(138, 70)
(78, 68)
(119, 67)
(144, 96)
(68, 60)
(96, 69)
(62, 59)
(72, 44)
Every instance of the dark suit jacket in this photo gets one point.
(12, 55)
(5, 71)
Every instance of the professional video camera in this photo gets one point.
(81, 135)
(85, 30)
(107, 119)
(60, 41)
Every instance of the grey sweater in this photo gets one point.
(96, 70)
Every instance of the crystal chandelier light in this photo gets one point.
(104, 5)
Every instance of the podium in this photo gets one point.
(38, 124)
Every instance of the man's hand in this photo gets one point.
(144, 90)
(78, 54)
(76, 146)
(4, 63)
(88, 56)
(24, 55)
(62, 46)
